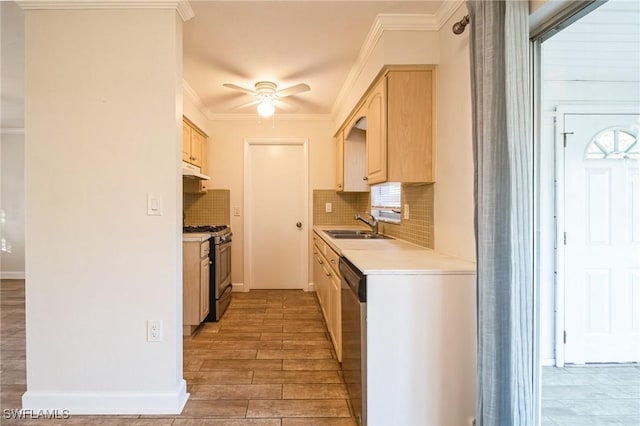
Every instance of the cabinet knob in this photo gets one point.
(365, 178)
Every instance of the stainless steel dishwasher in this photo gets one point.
(353, 295)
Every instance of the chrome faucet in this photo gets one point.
(373, 224)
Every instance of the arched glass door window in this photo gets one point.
(613, 144)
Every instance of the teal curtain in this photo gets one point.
(502, 148)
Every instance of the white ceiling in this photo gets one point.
(287, 42)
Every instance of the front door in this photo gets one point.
(602, 238)
(276, 231)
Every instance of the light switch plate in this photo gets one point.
(236, 211)
(154, 204)
(328, 207)
(406, 211)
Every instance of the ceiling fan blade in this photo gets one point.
(298, 88)
(284, 106)
(240, 89)
(247, 105)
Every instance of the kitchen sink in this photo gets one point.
(355, 234)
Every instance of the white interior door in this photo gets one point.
(602, 249)
(276, 235)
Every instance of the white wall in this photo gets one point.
(103, 113)
(595, 61)
(12, 204)
(454, 204)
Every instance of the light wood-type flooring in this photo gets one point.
(268, 362)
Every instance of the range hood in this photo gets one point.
(193, 172)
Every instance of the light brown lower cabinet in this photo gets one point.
(327, 283)
(195, 282)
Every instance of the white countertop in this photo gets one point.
(195, 236)
(394, 256)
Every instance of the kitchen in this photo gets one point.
(403, 83)
(150, 284)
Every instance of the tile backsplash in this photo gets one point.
(211, 208)
(418, 229)
(344, 206)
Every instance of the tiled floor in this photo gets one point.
(591, 395)
(268, 362)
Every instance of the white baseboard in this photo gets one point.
(12, 275)
(77, 403)
(239, 287)
(548, 362)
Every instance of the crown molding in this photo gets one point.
(197, 100)
(393, 22)
(276, 117)
(12, 130)
(382, 23)
(446, 11)
(182, 6)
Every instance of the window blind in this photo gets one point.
(386, 195)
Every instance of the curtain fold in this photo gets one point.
(503, 210)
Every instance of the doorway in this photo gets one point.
(600, 208)
(276, 207)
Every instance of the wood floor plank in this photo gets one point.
(297, 408)
(253, 391)
(335, 421)
(314, 391)
(310, 377)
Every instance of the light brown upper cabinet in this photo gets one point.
(400, 127)
(194, 144)
(194, 151)
(351, 154)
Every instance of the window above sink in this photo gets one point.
(385, 202)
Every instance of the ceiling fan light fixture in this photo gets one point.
(266, 108)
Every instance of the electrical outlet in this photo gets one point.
(328, 207)
(154, 331)
(236, 211)
(406, 211)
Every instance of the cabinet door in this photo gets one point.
(376, 148)
(410, 126)
(340, 161)
(191, 283)
(197, 142)
(204, 165)
(336, 315)
(186, 142)
(354, 152)
(321, 283)
(204, 288)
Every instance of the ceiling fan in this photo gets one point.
(268, 97)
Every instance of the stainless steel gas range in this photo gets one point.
(220, 273)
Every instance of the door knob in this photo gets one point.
(299, 224)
